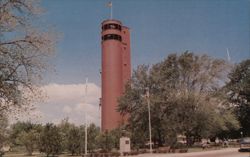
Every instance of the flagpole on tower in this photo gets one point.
(110, 5)
(111, 12)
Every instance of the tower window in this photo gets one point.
(111, 26)
(111, 36)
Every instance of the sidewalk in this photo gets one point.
(227, 152)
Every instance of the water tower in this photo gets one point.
(116, 71)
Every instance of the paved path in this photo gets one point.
(228, 152)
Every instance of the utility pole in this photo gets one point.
(86, 125)
(86, 137)
(149, 120)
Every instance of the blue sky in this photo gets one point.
(158, 28)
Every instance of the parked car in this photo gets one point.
(245, 144)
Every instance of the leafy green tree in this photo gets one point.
(25, 134)
(82, 138)
(24, 52)
(107, 141)
(183, 99)
(133, 103)
(19, 127)
(74, 143)
(50, 140)
(29, 140)
(238, 91)
(93, 132)
(65, 126)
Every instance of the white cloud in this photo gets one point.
(72, 93)
(67, 109)
(69, 100)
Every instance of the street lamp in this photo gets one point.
(149, 119)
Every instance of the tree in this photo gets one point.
(93, 132)
(65, 126)
(25, 134)
(29, 140)
(73, 137)
(50, 140)
(184, 99)
(238, 92)
(25, 49)
(107, 140)
(3, 131)
(74, 140)
(17, 128)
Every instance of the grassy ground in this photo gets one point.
(35, 154)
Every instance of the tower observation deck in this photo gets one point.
(116, 71)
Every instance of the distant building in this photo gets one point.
(116, 70)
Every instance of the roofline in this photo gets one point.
(111, 20)
(126, 27)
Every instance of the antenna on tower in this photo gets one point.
(228, 56)
(110, 5)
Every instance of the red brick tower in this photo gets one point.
(116, 70)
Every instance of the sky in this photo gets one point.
(158, 28)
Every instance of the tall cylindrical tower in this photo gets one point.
(116, 71)
(111, 73)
